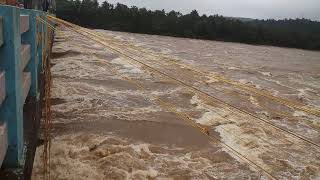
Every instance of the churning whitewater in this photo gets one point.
(106, 127)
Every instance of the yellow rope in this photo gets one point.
(232, 113)
(103, 44)
(229, 106)
(201, 129)
(184, 116)
(45, 56)
(188, 67)
(263, 93)
(46, 23)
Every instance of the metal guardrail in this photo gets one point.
(22, 40)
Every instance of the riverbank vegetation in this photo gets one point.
(295, 33)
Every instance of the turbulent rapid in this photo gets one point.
(105, 126)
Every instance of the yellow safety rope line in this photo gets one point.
(202, 92)
(189, 120)
(162, 103)
(197, 126)
(296, 135)
(219, 78)
(158, 63)
(46, 40)
(232, 113)
(122, 49)
(263, 93)
(46, 23)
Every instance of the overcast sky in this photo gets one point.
(261, 9)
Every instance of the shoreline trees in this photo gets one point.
(295, 33)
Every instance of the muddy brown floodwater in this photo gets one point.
(105, 126)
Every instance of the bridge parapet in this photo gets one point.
(23, 44)
(1, 32)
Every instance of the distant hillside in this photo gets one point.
(296, 33)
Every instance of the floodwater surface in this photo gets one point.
(116, 117)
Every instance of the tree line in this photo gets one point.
(295, 33)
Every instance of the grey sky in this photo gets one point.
(262, 9)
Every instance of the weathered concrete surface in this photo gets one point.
(26, 85)
(24, 23)
(25, 55)
(3, 141)
(107, 128)
(2, 87)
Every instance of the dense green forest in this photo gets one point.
(296, 33)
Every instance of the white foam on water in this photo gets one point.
(121, 159)
(140, 147)
(208, 118)
(128, 68)
(230, 132)
(252, 152)
(254, 101)
(118, 37)
(116, 158)
(212, 115)
(302, 93)
(140, 44)
(257, 86)
(212, 80)
(208, 55)
(144, 174)
(64, 164)
(75, 68)
(243, 81)
(299, 114)
(232, 68)
(167, 91)
(265, 73)
(165, 51)
(275, 92)
(304, 81)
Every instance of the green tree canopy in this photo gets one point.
(297, 33)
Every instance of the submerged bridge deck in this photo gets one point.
(24, 48)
